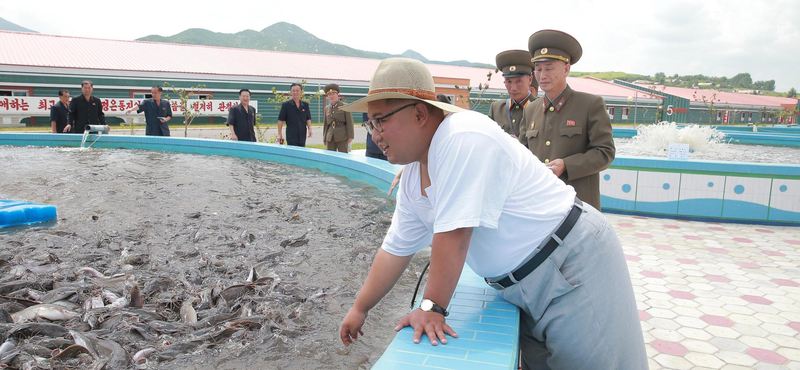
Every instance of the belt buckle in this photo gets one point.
(494, 285)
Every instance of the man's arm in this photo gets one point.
(325, 124)
(308, 124)
(386, 270)
(133, 108)
(73, 113)
(308, 120)
(53, 118)
(168, 115)
(448, 253)
(231, 122)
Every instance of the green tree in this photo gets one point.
(189, 110)
(741, 80)
(792, 93)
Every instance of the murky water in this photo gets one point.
(200, 224)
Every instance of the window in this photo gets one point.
(142, 96)
(200, 96)
(751, 117)
(744, 116)
(611, 113)
(719, 116)
(625, 112)
(13, 92)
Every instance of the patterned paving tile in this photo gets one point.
(715, 296)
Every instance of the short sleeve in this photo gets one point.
(53, 113)
(474, 176)
(283, 112)
(407, 233)
(231, 117)
(308, 112)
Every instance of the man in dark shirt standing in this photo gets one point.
(59, 113)
(242, 118)
(297, 116)
(84, 110)
(157, 112)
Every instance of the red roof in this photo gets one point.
(723, 97)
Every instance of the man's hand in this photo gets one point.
(310, 133)
(557, 166)
(351, 326)
(280, 138)
(324, 142)
(234, 137)
(396, 181)
(349, 141)
(430, 323)
(67, 128)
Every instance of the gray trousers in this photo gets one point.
(578, 310)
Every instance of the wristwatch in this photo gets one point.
(429, 306)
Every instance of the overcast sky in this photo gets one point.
(711, 37)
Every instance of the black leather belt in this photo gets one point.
(548, 249)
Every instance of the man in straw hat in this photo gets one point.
(567, 130)
(337, 130)
(475, 196)
(517, 71)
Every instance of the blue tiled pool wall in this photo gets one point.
(725, 191)
(487, 327)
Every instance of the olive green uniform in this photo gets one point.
(338, 128)
(575, 128)
(500, 113)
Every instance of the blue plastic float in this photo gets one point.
(16, 213)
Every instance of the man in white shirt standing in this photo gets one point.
(475, 197)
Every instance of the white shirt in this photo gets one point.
(484, 179)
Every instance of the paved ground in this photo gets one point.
(715, 296)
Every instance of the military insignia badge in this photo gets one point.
(533, 124)
(512, 68)
(552, 109)
(544, 50)
(570, 123)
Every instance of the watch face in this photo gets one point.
(426, 305)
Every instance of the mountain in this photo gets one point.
(284, 36)
(9, 26)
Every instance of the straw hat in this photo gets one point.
(401, 78)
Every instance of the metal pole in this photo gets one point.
(635, 105)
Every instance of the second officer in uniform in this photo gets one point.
(517, 71)
(337, 132)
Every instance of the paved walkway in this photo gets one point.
(715, 296)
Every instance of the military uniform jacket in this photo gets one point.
(575, 128)
(338, 124)
(500, 113)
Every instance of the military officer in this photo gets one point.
(567, 130)
(517, 71)
(337, 132)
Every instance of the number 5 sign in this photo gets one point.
(669, 110)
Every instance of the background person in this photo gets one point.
(85, 109)
(157, 112)
(518, 78)
(242, 119)
(337, 125)
(59, 112)
(296, 114)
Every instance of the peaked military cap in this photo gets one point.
(514, 63)
(554, 45)
(332, 87)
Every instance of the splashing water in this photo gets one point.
(654, 140)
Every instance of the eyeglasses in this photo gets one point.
(375, 124)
